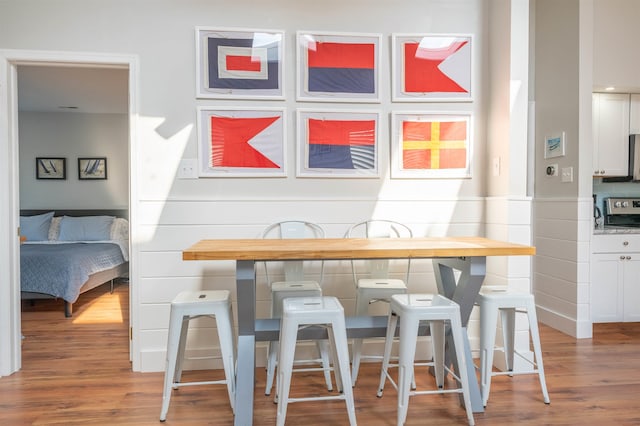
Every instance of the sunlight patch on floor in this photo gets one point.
(105, 309)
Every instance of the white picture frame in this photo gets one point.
(338, 67)
(241, 142)
(338, 144)
(239, 63)
(554, 145)
(432, 67)
(419, 150)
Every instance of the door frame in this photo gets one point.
(10, 308)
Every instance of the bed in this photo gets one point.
(68, 252)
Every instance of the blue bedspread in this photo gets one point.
(60, 270)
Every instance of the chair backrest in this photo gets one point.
(294, 270)
(378, 228)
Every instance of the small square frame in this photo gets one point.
(51, 168)
(554, 145)
(92, 168)
(247, 78)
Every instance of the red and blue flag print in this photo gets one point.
(241, 63)
(341, 67)
(342, 144)
(250, 142)
(426, 68)
(434, 145)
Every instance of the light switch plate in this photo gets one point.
(567, 174)
(187, 169)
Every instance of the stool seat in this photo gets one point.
(494, 300)
(304, 311)
(186, 306)
(410, 309)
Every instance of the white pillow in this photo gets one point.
(54, 228)
(85, 228)
(120, 229)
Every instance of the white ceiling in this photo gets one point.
(72, 89)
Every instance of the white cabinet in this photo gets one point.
(615, 278)
(610, 134)
(634, 114)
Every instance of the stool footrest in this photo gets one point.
(210, 382)
(316, 398)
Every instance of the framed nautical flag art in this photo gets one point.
(431, 67)
(430, 145)
(338, 67)
(241, 142)
(239, 63)
(337, 143)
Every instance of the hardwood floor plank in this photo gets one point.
(77, 371)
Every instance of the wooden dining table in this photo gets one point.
(459, 267)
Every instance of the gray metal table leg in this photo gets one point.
(472, 272)
(245, 369)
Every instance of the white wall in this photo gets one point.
(73, 135)
(171, 213)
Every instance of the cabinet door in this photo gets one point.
(631, 287)
(610, 134)
(606, 287)
(634, 114)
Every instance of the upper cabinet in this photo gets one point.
(634, 114)
(611, 133)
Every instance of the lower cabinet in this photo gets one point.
(615, 287)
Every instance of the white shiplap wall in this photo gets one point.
(165, 232)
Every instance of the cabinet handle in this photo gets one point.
(621, 257)
(628, 257)
(625, 243)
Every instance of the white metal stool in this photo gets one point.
(186, 306)
(377, 287)
(436, 309)
(304, 311)
(294, 285)
(493, 301)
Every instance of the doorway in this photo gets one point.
(12, 63)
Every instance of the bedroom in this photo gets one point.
(68, 115)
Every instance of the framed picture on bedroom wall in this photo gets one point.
(92, 168)
(51, 168)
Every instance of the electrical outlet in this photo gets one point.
(187, 169)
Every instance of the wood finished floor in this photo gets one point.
(77, 371)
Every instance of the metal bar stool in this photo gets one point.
(186, 306)
(492, 301)
(295, 285)
(410, 309)
(374, 284)
(305, 311)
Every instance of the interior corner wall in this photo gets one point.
(559, 269)
(72, 136)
